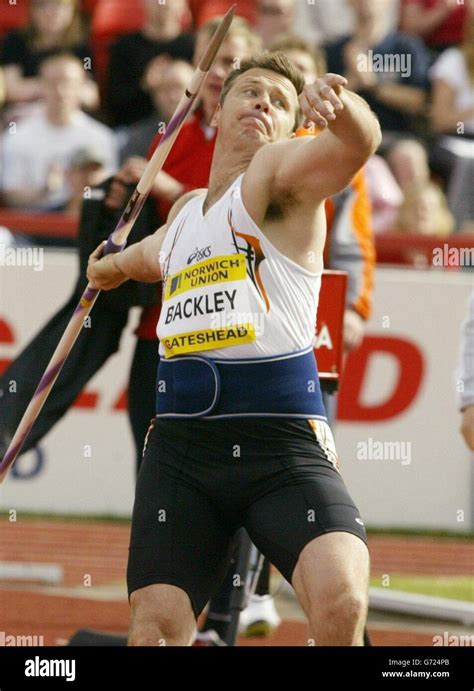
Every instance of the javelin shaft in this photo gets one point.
(115, 243)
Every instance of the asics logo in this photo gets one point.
(199, 254)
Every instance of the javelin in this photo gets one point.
(115, 243)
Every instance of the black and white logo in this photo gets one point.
(199, 254)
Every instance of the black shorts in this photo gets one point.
(201, 480)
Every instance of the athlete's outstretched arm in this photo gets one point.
(140, 262)
(315, 168)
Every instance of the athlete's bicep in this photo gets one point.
(152, 252)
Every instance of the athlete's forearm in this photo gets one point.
(356, 126)
(318, 167)
(139, 262)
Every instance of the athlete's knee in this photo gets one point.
(344, 606)
(148, 634)
(157, 630)
(161, 615)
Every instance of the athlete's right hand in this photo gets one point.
(102, 272)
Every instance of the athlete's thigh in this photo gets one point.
(310, 499)
(330, 566)
(178, 536)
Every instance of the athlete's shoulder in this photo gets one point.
(274, 152)
(267, 160)
(182, 201)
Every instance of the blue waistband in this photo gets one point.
(193, 386)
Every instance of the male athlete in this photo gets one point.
(240, 436)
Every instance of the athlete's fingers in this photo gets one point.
(318, 104)
(96, 255)
(328, 94)
(335, 79)
(325, 92)
(312, 113)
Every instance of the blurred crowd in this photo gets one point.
(86, 85)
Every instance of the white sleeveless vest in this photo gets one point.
(228, 293)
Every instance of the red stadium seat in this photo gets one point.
(114, 17)
(202, 10)
(13, 16)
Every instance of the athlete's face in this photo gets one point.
(260, 107)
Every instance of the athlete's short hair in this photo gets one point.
(276, 62)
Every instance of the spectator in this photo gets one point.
(165, 80)
(274, 18)
(385, 194)
(54, 26)
(408, 161)
(424, 211)
(126, 98)
(452, 76)
(311, 61)
(396, 91)
(460, 196)
(389, 69)
(440, 23)
(452, 118)
(322, 22)
(86, 170)
(188, 165)
(35, 157)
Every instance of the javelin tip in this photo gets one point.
(216, 41)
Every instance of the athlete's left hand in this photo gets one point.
(102, 272)
(320, 100)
